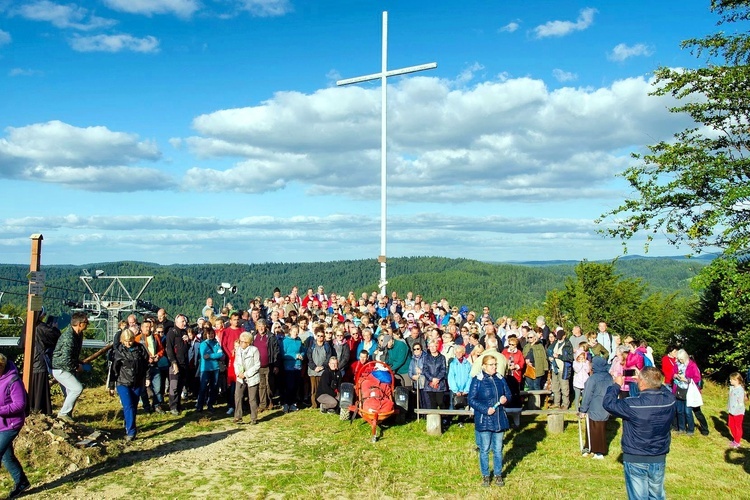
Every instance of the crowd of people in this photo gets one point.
(293, 351)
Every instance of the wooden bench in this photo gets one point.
(433, 417)
(533, 405)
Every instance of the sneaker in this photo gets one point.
(285, 408)
(486, 481)
(230, 411)
(237, 420)
(499, 482)
(129, 438)
(293, 408)
(22, 486)
(159, 410)
(585, 454)
(66, 418)
(598, 456)
(175, 412)
(198, 410)
(322, 409)
(210, 409)
(184, 395)
(690, 433)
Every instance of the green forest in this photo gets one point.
(648, 298)
(509, 289)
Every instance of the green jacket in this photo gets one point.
(539, 354)
(398, 357)
(67, 351)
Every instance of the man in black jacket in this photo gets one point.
(328, 388)
(646, 421)
(176, 348)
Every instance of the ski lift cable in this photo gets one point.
(24, 282)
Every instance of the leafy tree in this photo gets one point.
(598, 293)
(695, 189)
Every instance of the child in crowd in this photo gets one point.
(581, 372)
(736, 408)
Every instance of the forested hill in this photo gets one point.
(507, 288)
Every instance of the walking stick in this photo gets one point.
(588, 432)
(580, 435)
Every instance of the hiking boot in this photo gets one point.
(66, 418)
(486, 481)
(176, 413)
(159, 410)
(499, 482)
(22, 486)
(129, 438)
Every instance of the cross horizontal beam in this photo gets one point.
(393, 72)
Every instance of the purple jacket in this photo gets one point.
(12, 399)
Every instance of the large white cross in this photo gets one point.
(383, 75)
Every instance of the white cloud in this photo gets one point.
(92, 158)
(5, 38)
(114, 43)
(562, 28)
(63, 16)
(563, 76)
(266, 8)
(623, 51)
(24, 72)
(467, 75)
(518, 136)
(510, 27)
(181, 8)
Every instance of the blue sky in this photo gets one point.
(194, 131)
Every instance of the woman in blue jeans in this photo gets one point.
(210, 352)
(12, 417)
(488, 394)
(128, 377)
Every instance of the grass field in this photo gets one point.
(308, 454)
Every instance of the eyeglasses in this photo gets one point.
(491, 364)
(417, 349)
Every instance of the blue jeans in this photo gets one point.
(9, 459)
(644, 481)
(129, 397)
(73, 390)
(486, 441)
(207, 393)
(685, 420)
(154, 375)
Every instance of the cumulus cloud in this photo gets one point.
(623, 51)
(266, 8)
(180, 8)
(5, 38)
(62, 16)
(510, 27)
(92, 158)
(515, 134)
(562, 28)
(114, 43)
(563, 76)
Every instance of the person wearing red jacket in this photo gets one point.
(669, 365)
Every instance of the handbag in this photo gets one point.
(530, 371)
(681, 392)
(693, 397)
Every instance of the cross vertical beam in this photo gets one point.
(383, 75)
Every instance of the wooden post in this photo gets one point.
(434, 425)
(32, 313)
(556, 423)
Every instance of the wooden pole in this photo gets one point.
(32, 313)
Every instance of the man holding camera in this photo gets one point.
(647, 421)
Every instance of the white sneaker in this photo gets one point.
(230, 411)
(293, 408)
(598, 456)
